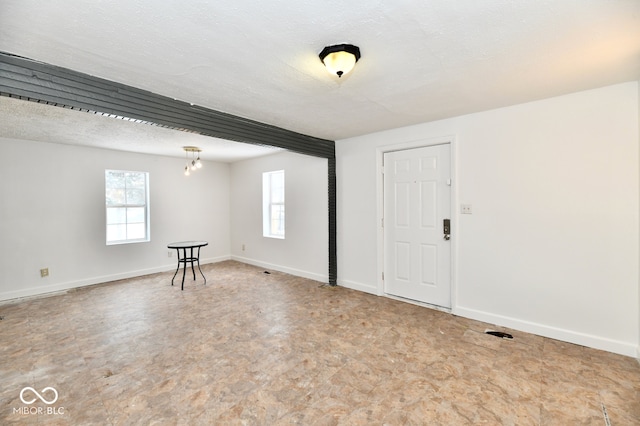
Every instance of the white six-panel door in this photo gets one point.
(417, 200)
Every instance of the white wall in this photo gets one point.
(52, 215)
(304, 251)
(552, 246)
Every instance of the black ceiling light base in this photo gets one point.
(337, 48)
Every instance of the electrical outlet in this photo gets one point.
(44, 272)
(465, 208)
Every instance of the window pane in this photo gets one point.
(277, 219)
(116, 232)
(136, 231)
(277, 196)
(135, 215)
(277, 187)
(116, 215)
(135, 180)
(114, 179)
(135, 196)
(115, 196)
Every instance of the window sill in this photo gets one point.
(276, 237)
(117, 243)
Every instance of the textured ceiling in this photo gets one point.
(421, 60)
(44, 123)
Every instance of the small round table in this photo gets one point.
(184, 245)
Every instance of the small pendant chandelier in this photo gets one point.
(190, 153)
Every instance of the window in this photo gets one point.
(127, 205)
(273, 204)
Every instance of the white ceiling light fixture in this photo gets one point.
(340, 58)
(195, 163)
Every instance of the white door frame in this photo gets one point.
(418, 143)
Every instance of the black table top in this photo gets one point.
(187, 244)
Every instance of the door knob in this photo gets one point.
(446, 228)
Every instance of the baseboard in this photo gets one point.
(287, 270)
(70, 285)
(583, 339)
(353, 285)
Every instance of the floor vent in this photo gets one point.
(499, 334)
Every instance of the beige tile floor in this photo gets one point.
(269, 349)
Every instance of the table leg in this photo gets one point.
(198, 260)
(191, 258)
(178, 268)
(184, 267)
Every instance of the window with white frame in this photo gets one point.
(273, 204)
(127, 206)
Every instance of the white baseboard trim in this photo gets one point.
(9, 296)
(287, 270)
(583, 339)
(353, 285)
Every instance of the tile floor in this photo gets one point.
(270, 349)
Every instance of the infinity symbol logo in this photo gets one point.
(55, 392)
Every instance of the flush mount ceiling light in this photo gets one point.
(195, 163)
(340, 58)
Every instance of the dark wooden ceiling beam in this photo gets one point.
(29, 79)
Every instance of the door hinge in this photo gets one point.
(382, 222)
(449, 181)
(382, 275)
